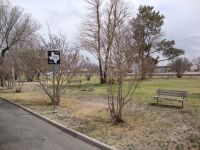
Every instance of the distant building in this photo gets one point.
(162, 69)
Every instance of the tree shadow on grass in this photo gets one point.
(165, 106)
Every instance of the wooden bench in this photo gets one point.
(87, 87)
(74, 83)
(171, 95)
(78, 83)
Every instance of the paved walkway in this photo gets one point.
(19, 130)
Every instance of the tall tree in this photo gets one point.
(99, 29)
(15, 26)
(116, 15)
(146, 33)
(91, 33)
(29, 59)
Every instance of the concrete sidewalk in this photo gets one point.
(20, 130)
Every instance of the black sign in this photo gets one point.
(53, 57)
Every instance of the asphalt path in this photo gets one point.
(20, 130)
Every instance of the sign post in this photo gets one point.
(54, 59)
(54, 92)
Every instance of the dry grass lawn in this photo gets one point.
(147, 126)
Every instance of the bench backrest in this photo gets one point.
(175, 93)
(74, 82)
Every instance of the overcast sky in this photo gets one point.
(182, 22)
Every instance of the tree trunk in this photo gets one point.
(143, 69)
(98, 19)
(57, 100)
(29, 78)
(179, 75)
(143, 76)
(106, 66)
(143, 72)
(3, 52)
(38, 76)
(117, 118)
(105, 74)
(9, 85)
(102, 80)
(198, 68)
(2, 81)
(1, 60)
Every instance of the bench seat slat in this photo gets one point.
(171, 98)
(74, 82)
(173, 94)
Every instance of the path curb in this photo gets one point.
(74, 133)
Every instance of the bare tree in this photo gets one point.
(91, 33)
(11, 62)
(5, 73)
(121, 60)
(19, 82)
(15, 26)
(116, 15)
(71, 63)
(98, 31)
(196, 62)
(180, 65)
(29, 59)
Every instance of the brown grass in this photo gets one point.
(146, 126)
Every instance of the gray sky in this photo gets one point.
(182, 22)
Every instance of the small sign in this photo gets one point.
(54, 47)
(54, 57)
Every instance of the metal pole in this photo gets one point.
(54, 92)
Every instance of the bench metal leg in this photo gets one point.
(182, 104)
